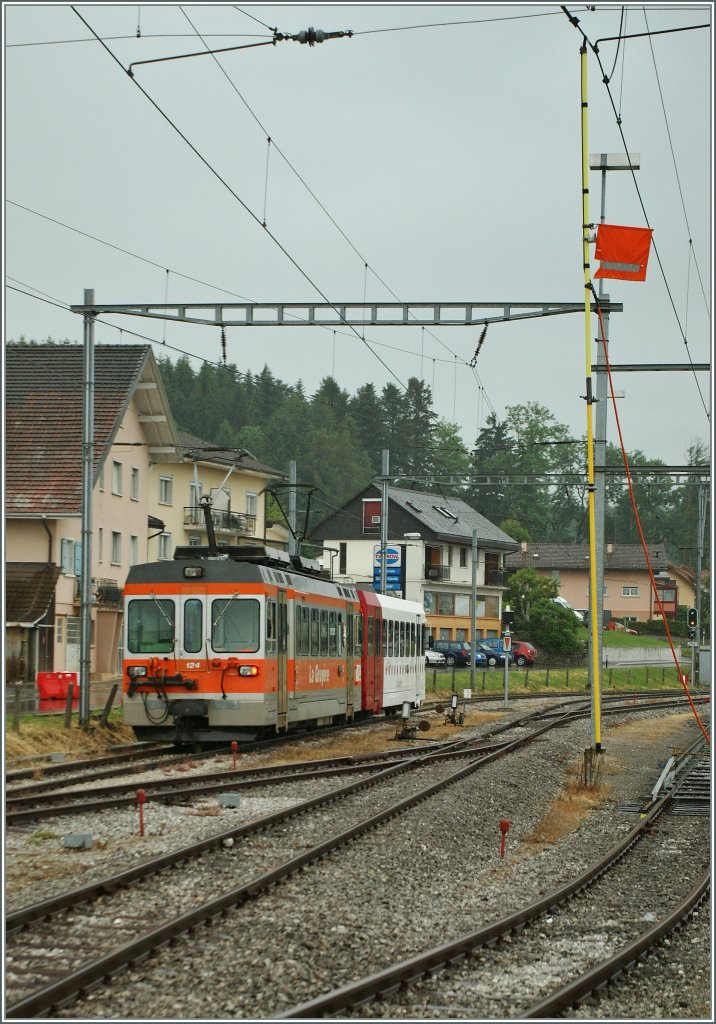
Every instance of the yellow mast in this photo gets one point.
(594, 626)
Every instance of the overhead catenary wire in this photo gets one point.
(305, 184)
(236, 196)
(595, 50)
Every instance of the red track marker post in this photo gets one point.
(234, 751)
(141, 798)
(504, 828)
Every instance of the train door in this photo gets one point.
(349, 641)
(192, 630)
(282, 638)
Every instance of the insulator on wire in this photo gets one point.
(479, 346)
(223, 344)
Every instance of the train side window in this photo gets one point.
(371, 637)
(401, 627)
(314, 631)
(282, 628)
(324, 633)
(340, 634)
(359, 634)
(270, 627)
(302, 630)
(384, 645)
(235, 625)
(413, 650)
(192, 625)
(332, 635)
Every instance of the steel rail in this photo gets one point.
(66, 989)
(624, 959)
(429, 962)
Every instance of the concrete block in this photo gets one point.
(229, 799)
(78, 841)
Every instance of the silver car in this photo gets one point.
(434, 657)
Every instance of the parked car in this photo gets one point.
(480, 658)
(433, 657)
(523, 651)
(457, 652)
(494, 656)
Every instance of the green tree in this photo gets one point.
(514, 528)
(525, 591)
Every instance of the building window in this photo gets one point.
(342, 557)
(59, 636)
(67, 556)
(134, 484)
(165, 545)
(133, 549)
(116, 478)
(116, 548)
(194, 541)
(630, 591)
(251, 503)
(463, 558)
(165, 490)
(555, 575)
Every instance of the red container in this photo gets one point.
(54, 685)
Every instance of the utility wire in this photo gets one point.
(226, 185)
(676, 170)
(197, 280)
(272, 141)
(575, 22)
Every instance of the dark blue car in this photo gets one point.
(492, 656)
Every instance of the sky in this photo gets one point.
(434, 155)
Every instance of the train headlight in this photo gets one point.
(136, 671)
(248, 670)
(193, 571)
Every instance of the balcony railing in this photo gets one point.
(224, 522)
(105, 593)
(495, 578)
(437, 572)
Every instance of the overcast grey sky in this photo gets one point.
(440, 145)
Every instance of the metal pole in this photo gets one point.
(384, 518)
(600, 461)
(473, 605)
(702, 499)
(292, 541)
(507, 669)
(87, 479)
(593, 624)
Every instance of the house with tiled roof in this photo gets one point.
(628, 593)
(233, 480)
(429, 556)
(133, 431)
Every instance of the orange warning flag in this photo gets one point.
(623, 252)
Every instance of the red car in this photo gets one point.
(524, 652)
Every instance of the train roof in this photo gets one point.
(232, 568)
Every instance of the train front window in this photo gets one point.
(150, 626)
(235, 625)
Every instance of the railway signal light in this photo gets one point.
(692, 618)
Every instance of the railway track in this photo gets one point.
(51, 997)
(48, 798)
(31, 979)
(486, 973)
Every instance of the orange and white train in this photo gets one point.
(240, 642)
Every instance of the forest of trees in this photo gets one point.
(525, 472)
